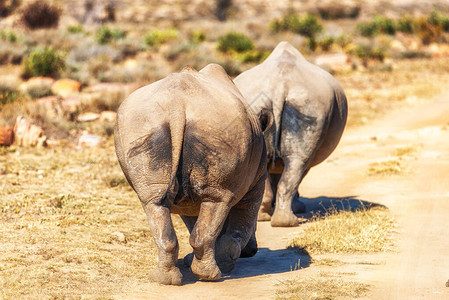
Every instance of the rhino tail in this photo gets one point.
(177, 128)
(278, 107)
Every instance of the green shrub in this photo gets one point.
(156, 37)
(8, 93)
(197, 36)
(406, 24)
(254, 56)
(234, 41)
(8, 36)
(379, 24)
(106, 35)
(385, 25)
(307, 25)
(74, 29)
(367, 29)
(343, 40)
(40, 14)
(369, 52)
(325, 43)
(43, 62)
(439, 19)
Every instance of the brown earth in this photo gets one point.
(418, 198)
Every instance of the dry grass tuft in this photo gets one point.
(406, 151)
(328, 286)
(387, 167)
(366, 230)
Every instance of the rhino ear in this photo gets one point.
(266, 119)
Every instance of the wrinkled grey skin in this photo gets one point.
(188, 144)
(310, 111)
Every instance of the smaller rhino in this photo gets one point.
(188, 144)
(309, 109)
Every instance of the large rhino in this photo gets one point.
(310, 111)
(190, 145)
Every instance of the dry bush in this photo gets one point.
(364, 230)
(40, 14)
(327, 286)
(387, 167)
(7, 7)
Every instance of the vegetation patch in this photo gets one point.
(40, 14)
(105, 35)
(234, 41)
(156, 37)
(327, 286)
(387, 167)
(43, 62)
(307, 25)
(364, 230)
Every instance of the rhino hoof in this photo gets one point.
(284, 219)
(205, 271)
(227, 250)
(171, 277)
(263, 217)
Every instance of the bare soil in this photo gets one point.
(418, 198)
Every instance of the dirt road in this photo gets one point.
(418, 198)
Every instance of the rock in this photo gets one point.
(37, 87)
(27, 134)
(6, 136)
(71, 105)
(88, 117)
(108, 116)
(50, 105)
(438, 50)
(334, 62)
(65, 87)
(397, 46)
(119, 237)
(89, 140)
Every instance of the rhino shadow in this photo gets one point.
(322, 205)
(265, 261)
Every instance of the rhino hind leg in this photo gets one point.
(292, 176)
(161, 226)
(266, 208)
(210, 221)
(239, 240)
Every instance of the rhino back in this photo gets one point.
(219, 140)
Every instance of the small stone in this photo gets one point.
(6, 136)
(119, 237)
(89, 140)
(108, 116)
(65, 87)
(27, 134)
(88, 117)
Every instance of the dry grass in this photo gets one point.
(327, 286)
(406, 151)
(366, 230)
(387, 168)
(59, 210)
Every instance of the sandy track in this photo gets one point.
(418, 198)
